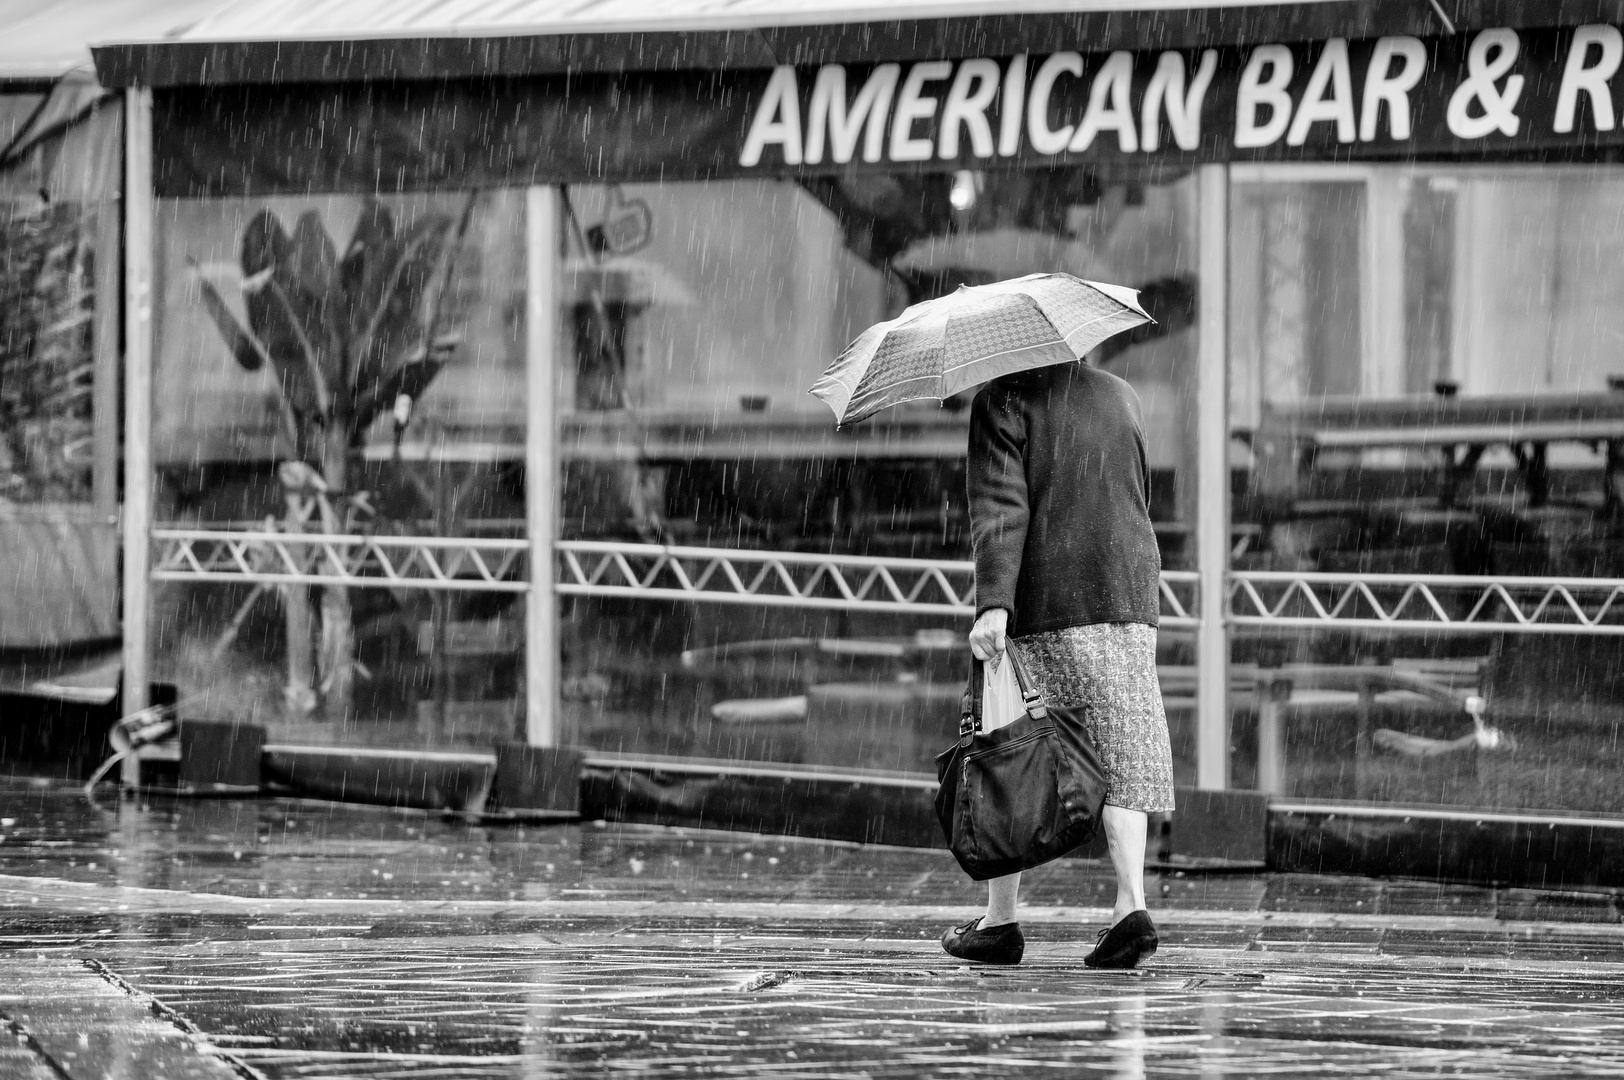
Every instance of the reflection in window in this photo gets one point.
(696, 316)
(47, 358)
(343, 365)
(1425, 380)
(691, 356)
(59, 297)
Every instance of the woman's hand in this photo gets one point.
(987, 638)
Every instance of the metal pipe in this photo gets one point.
(137, 510)
(541, 645)
(1212, 479)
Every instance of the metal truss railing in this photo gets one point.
(595, 568)
(289, 558)
(1257, 598)
(795, 579)
(765, 578)
(1179, 590)
(1428, 603)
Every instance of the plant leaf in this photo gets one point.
(365, 269)
(311, 266)
(276, 319)
(264, 244)
(305, 360)
(311, 256)
(395, 328)
(244, 347)
(411, 377)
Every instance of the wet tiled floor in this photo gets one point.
(289, 940)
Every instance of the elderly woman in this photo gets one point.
(1066, 572)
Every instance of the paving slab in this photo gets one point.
(69, 1022)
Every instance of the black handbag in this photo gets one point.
(1024, 794)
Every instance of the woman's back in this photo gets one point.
(1059, 489)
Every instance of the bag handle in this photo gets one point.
(1037, 706)
(970, 705)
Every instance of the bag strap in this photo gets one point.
(1037, 706)
(970, 711)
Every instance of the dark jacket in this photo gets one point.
(1059, 501)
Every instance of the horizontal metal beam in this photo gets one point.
(392, 562)
(768, 578)
(797, 579)
(1424, 603)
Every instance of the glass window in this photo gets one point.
(59, 275)
(352, 367)
(696, 316)
(1426, 381)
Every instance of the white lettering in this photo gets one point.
(1256, 89)
(829, 114)
(1183, 112)
(1381, 84)
(1009, 119)
(1577, 77)
(1332, 73)
(1492, 55)
(1046, 140)
(1114, 79)
(777, 120)
(966, 105)
(912, 106)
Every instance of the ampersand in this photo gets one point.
(1492, 55)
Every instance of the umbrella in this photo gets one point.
(937, 348)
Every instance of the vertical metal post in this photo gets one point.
(1382, 282)
(541, 465)
(1273, 693)
(1212, 479)
(138, 232)
(105, 335)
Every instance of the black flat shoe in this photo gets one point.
(1125, 944)
(1002, 944)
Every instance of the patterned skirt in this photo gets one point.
(1108, 670)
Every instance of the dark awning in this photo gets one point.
(294, 41)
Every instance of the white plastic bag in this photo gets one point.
(1001, 703)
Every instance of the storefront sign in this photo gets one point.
(1498, 93)
(1497, 90)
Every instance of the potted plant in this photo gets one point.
(348, 338)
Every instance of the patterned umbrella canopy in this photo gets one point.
(940, 347)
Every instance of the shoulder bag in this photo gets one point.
(1024, 794)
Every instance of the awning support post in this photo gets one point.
(137, 509)
(1212, 478)
(541, 465)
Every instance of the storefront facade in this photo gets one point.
(464, 409)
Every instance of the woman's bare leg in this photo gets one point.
(1125, 833)
(1001, 894)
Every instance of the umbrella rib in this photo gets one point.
(985, 357)
(1084, 326)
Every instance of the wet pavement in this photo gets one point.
(286, 939)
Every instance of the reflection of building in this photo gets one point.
(1384, 435)
(60, 168)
